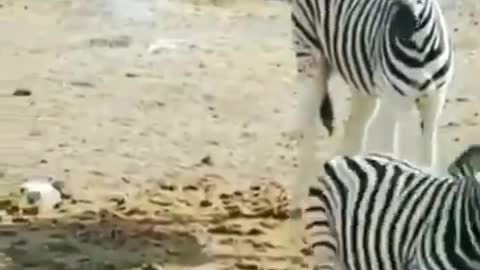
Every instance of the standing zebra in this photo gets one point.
(397, 51)
(377, 212)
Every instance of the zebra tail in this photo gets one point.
(326, 113)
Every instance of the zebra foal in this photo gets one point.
(376, 212)
(396, 51)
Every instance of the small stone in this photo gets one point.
(255, 188)
(22, 92)
(453, 124)
(125, 180)
(20, 220)
(224, 230)
(135, 211)
(168, 187)
(207, 160)
(462, 99)
(131, 75)
(82, 84)
(117, 200)
(268, 224)
(205, 203)
(97, 173)
(225, 196)
(31, 211)
(246, 266)
(111, 42)
(190, 188)
(254, 232)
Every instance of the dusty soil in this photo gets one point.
(165, 119)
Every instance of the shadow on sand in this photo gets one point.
(103, 241)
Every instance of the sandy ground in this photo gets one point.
(178, 156)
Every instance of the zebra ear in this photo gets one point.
(467, 163)
(404, 21)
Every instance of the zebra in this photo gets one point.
(468, 163)
(374, 211)
(398, 52)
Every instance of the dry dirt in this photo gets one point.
(173, 157)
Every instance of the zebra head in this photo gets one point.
(407, 17)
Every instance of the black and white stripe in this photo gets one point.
(392, 52)
(467, 163)
(402, 45)
(377, 212)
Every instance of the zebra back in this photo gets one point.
(467, 164)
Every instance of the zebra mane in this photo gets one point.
(467, 164)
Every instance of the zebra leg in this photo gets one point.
(363, 109)
(430, 108)
(388, 141)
